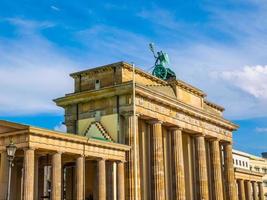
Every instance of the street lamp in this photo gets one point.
(11, 150)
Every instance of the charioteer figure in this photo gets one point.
(161, 65)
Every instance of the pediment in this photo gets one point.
(97, 131)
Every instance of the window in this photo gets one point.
(97, 84)
(257, 169)
(264, 170)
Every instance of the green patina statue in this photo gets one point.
(161, 69)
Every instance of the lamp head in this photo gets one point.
(11, 150)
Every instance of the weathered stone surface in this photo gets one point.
(217, 170)
(179, 182)
(202, 176)
(158, 179)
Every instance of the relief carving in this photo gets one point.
(140, 101)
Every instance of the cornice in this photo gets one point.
(95, 70)
(188, 109)
(127, 87)
(248, 172)
(76, 138)
(143, 73)
(188, 87)
(213, 105)
(94, 94)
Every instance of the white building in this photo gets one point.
(255, 164)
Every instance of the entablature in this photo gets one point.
(43, 139)
(159, 99)
(248, 175)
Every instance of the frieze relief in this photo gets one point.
(140, 101)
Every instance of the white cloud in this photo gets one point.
(54, 8)
(252, 80)
(216, 64)
(32, 73)
(261, 130)
(61, 128)
(106, 44)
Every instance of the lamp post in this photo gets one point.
(11, 150)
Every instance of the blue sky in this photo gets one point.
(218, 46)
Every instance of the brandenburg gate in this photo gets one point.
(173, 142)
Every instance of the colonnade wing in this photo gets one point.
(31, 137)
(43, 153)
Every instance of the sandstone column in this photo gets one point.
(56, 176)
(28, 186)
(217, 170)
(102, 180)
(121, 192)
(3, 175)
(255, 192)
(36, 177)
(261, 193)
(179, 178)
(202, 179)
(241, 189)
(231, 193)
(248, 190)
(80, 173)
(133, 165)
(158, 178)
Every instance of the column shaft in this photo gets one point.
(231, 193)
(241, 189)
(179, 178)
(248, 190)
(56, 176)
(261, 193)
(36, 177)
(28, 186)
(80, 173)
(121, 192)
(158, 163)
(255, 191)
(3, 175)
(203, 191)
(217, 172)
(133, 165)
(102, 180)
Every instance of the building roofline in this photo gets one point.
(127, 65)
(250, 156)
(57, 134)
(213, 105)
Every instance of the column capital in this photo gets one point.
(58, 152)
(79, 155)
(214, 139)
(227, 142)
(120, 161)
(200, 135)
(101, 159)
(155, 121)
(174, 128)
(29, 148)
(129, 114)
